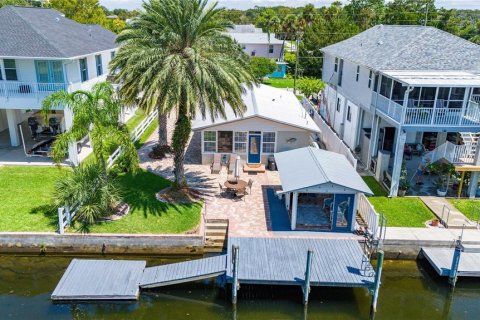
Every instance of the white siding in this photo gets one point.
(350, 127)
(261, 50)
(26, 70)
(73, 71)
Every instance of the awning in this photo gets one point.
(435, 78)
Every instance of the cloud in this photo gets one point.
(245, 4)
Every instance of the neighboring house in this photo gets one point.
(42, 52)
(274, 121)
(257, 43)
(321, 189)
(394, 87)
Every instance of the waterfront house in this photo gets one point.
(320, 188)
(402, 90)
(257, 43)
(42, 52)
(274, 121)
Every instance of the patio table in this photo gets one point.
(236, 185)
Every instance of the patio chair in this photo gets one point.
(240, 193)
(224, 192)
(216, 164)
(250, 184)
(231, 163)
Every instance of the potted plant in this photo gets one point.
(444, 170)
(403, 184)
(435, 222)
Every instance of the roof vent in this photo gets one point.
(380, 42)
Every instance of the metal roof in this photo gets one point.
(386, 47)
(309, 167)
(435, 78)
(268, 103)
(46, 33)
(254, 38)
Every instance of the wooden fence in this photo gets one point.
(329, 137)
(369, 215)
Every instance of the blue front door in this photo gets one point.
(254, 147)
(342, 212)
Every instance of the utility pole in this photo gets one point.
(297, 41)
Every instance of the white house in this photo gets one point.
(396, 88)
(257, 43)
(42, 52)
(274, 121)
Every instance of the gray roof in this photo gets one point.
(254, 38)
(46, 33)
(386, 47)
(309, 167)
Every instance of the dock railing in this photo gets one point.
(328, 136)
(369, 215)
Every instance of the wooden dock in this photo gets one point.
(181, 272)
(441, 260)
(100, 280)
(282, 261)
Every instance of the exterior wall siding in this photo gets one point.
(261, 50)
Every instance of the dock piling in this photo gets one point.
(452, 278)
(306, 284)
(376, 285)
(235, 250)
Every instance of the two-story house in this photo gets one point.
(41, 52)
(257, 43)
(405, 89)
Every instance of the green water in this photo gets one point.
(410, 290)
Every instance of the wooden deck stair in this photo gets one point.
(216, 231)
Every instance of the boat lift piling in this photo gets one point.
(308, 270)
(376, 284)
(453, 276)
(235, 286)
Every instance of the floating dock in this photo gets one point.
(441, 260)
(276, 261)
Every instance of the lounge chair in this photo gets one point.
(250, 184)
(231, 163)
(217, 163)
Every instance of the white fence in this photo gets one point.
(329, 137)
(368, 214)
(65, 217)
(136, 134)
(29, 89)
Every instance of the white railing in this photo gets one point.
(65, 217)
(455, 154)
(476, 98)
(329, 137)
(389, 107)
(29, 89)
(368, 214)
(135, 135)
(472, 114)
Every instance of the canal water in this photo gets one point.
(410, 290)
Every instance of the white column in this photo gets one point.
(294, 211)
(354, 213)
(373, 139)
(12, 120)
(72, 148)
(287, 200)
(473, 186)
(397, 164)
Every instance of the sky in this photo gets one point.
(245, 4)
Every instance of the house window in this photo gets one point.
(375, 85)
(270, 48)
(83, 69)
(209, 141)
(349, 114)
(268, 142)
(112, 54)
(98, 63)
(338, 105)
(243, 46)
(358, 73)
(225, 141)
(240, 142)
(370, 78)
(336, 65)
(340, 73)
(253, 53)
(386, 87)
(10, 69)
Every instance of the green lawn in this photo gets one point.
(135, 119)
(470, 208)
(376, 187)
(25, 195)
(402, 212)
(279, 83)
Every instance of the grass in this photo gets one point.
(25, 195)
(135, 119)
(470, 208)
(402, 212)
(376, 187)
(279, 83)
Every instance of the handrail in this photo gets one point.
(443, 221)
(366, 210)
(29, 89)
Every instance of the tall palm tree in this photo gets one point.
(97, 113)
(175, 55)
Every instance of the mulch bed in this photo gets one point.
(182, 196)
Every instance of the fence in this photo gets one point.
(65, 217)
(369, 215)
(329, 137)
(455, 154)
(136, 134)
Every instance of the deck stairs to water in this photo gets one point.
(216, 232)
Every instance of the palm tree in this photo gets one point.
(175, 55)
(97, 113)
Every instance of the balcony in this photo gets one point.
(19, 89)
(428, 115)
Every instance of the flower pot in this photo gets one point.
(435, 222)
(441, 193)
(401, 193)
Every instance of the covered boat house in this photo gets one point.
(320, 189)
